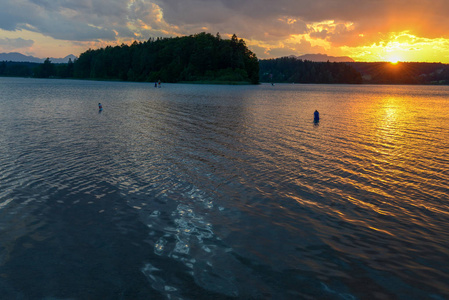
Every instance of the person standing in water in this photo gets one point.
(100, 107)
(316, 116)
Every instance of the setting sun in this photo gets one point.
(394, 60)
(401, 47)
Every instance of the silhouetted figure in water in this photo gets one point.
(100, 107)
(316, 116)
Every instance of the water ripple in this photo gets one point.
(229, 192)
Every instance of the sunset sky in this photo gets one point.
(365, 30)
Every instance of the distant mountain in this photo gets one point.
(18, 57)
(14, 56)
(323, 58)
(63, 60)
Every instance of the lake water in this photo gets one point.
(222, 192)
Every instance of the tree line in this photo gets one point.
(197, 57)
(38, 70)
(293, 70)
(403, 72)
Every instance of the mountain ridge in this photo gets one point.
(319, 57)
(19, 57)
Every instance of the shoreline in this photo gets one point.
(218, 82)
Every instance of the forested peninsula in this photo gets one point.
(200, 57)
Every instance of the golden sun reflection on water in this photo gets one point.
(390, 124)
(383, 153)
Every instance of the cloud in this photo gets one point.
(265, 24)
(56, 21)
(8, 44)
(262, 19)
(368, 16)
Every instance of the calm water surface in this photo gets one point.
(222, 192)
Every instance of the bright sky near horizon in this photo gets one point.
(365, 30)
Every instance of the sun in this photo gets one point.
(394, 60)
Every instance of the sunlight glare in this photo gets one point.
(393, 60)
